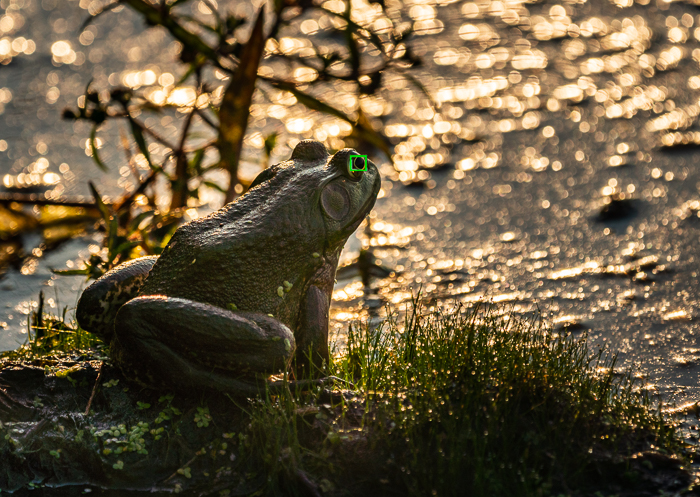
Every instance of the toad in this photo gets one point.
(240, 294)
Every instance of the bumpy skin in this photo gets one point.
(100, 302)
(236, 293)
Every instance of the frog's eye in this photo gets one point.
(357, 165)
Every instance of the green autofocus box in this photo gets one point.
(358, 163)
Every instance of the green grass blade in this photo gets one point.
(93, 150)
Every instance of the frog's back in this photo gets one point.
(239, 256)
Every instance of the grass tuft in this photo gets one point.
(468, 402)
(462, 402)
(51, 335)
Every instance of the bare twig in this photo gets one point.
(183, 466)
(129, 198)
(206, 119)
(40, 199)
(179, 187)
(235, 104)
(94, 388)
(162, 17)
(311, 487)
(145, 130)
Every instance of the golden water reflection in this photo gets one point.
(541, 118)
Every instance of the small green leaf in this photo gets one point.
(123, 247)
(71, 272)
(93, 150)
(141, 141)
(196, 162)
(134, 224)
(112, 232)
(101, 206)
(214, 186)
(270, 142)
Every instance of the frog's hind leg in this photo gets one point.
(194, 346)
(99, 303)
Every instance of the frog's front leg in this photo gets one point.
(312, 354)
(100, 302)
(194, 345)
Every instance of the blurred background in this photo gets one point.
(542, 155)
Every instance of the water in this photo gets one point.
(557, 174)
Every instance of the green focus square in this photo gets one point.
(358, 163)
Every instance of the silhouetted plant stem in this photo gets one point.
(127, 200)
(206, 119)
(162, 17)
(40, 199)
(235, 106)
(180, 190)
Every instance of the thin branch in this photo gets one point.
(162, 17)
(210, 144)
(40, 199)
(94, 388)
(146, 130)
(129, 198)
(179, 187)
(206, 119)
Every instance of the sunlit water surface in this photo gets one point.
(559, 172)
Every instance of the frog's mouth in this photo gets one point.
(331, 247)
(364, 211)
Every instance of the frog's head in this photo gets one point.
(346, 195)
(336, 192)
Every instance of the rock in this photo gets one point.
(616, 208)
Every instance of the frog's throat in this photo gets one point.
(367, 206)
(334, 248)
(328, 258)
(324, 276)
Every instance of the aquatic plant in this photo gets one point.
(352, 49)
(51, 334)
